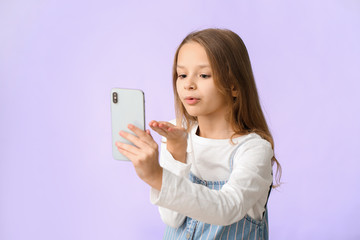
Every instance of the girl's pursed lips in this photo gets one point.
(192, 100)
(191, 97)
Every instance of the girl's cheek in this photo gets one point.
(178, 88)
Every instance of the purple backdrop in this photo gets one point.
(59, 60)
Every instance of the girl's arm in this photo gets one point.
(146, 151)
(173, 159)
(249, 182)
(168, 162)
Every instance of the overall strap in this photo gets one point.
(267, 199)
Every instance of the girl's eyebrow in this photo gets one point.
(199, 66)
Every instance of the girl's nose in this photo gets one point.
(189, 84)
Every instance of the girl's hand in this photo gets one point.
(144, 155)
(176, 138)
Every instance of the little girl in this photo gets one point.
(215, 170)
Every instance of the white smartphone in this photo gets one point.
(127, 106)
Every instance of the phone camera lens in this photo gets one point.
(115, 97)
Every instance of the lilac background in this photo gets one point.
(59, 60)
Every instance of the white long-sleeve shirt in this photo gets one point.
(245, 192)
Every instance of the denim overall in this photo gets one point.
(246, 228)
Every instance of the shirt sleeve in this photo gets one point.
(248, 182)
(168, 216)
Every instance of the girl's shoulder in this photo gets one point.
(254, 145)
(251, 139)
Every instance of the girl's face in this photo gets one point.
(195, 84)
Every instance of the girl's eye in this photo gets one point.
(204, 76)
(181, 76)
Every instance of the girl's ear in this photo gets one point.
(234, 92)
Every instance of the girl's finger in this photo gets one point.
(128, 148)
(177, 130)
(160, 131)
(164, 127)
(161, 125)
(133, 139)
(153, 143)
(140, 133)
(143, 138)
(127, 154)
(167, 124)
(152, 122)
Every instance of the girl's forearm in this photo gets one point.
(177, 150)
(156, 180)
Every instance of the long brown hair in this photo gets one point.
(232, 72)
